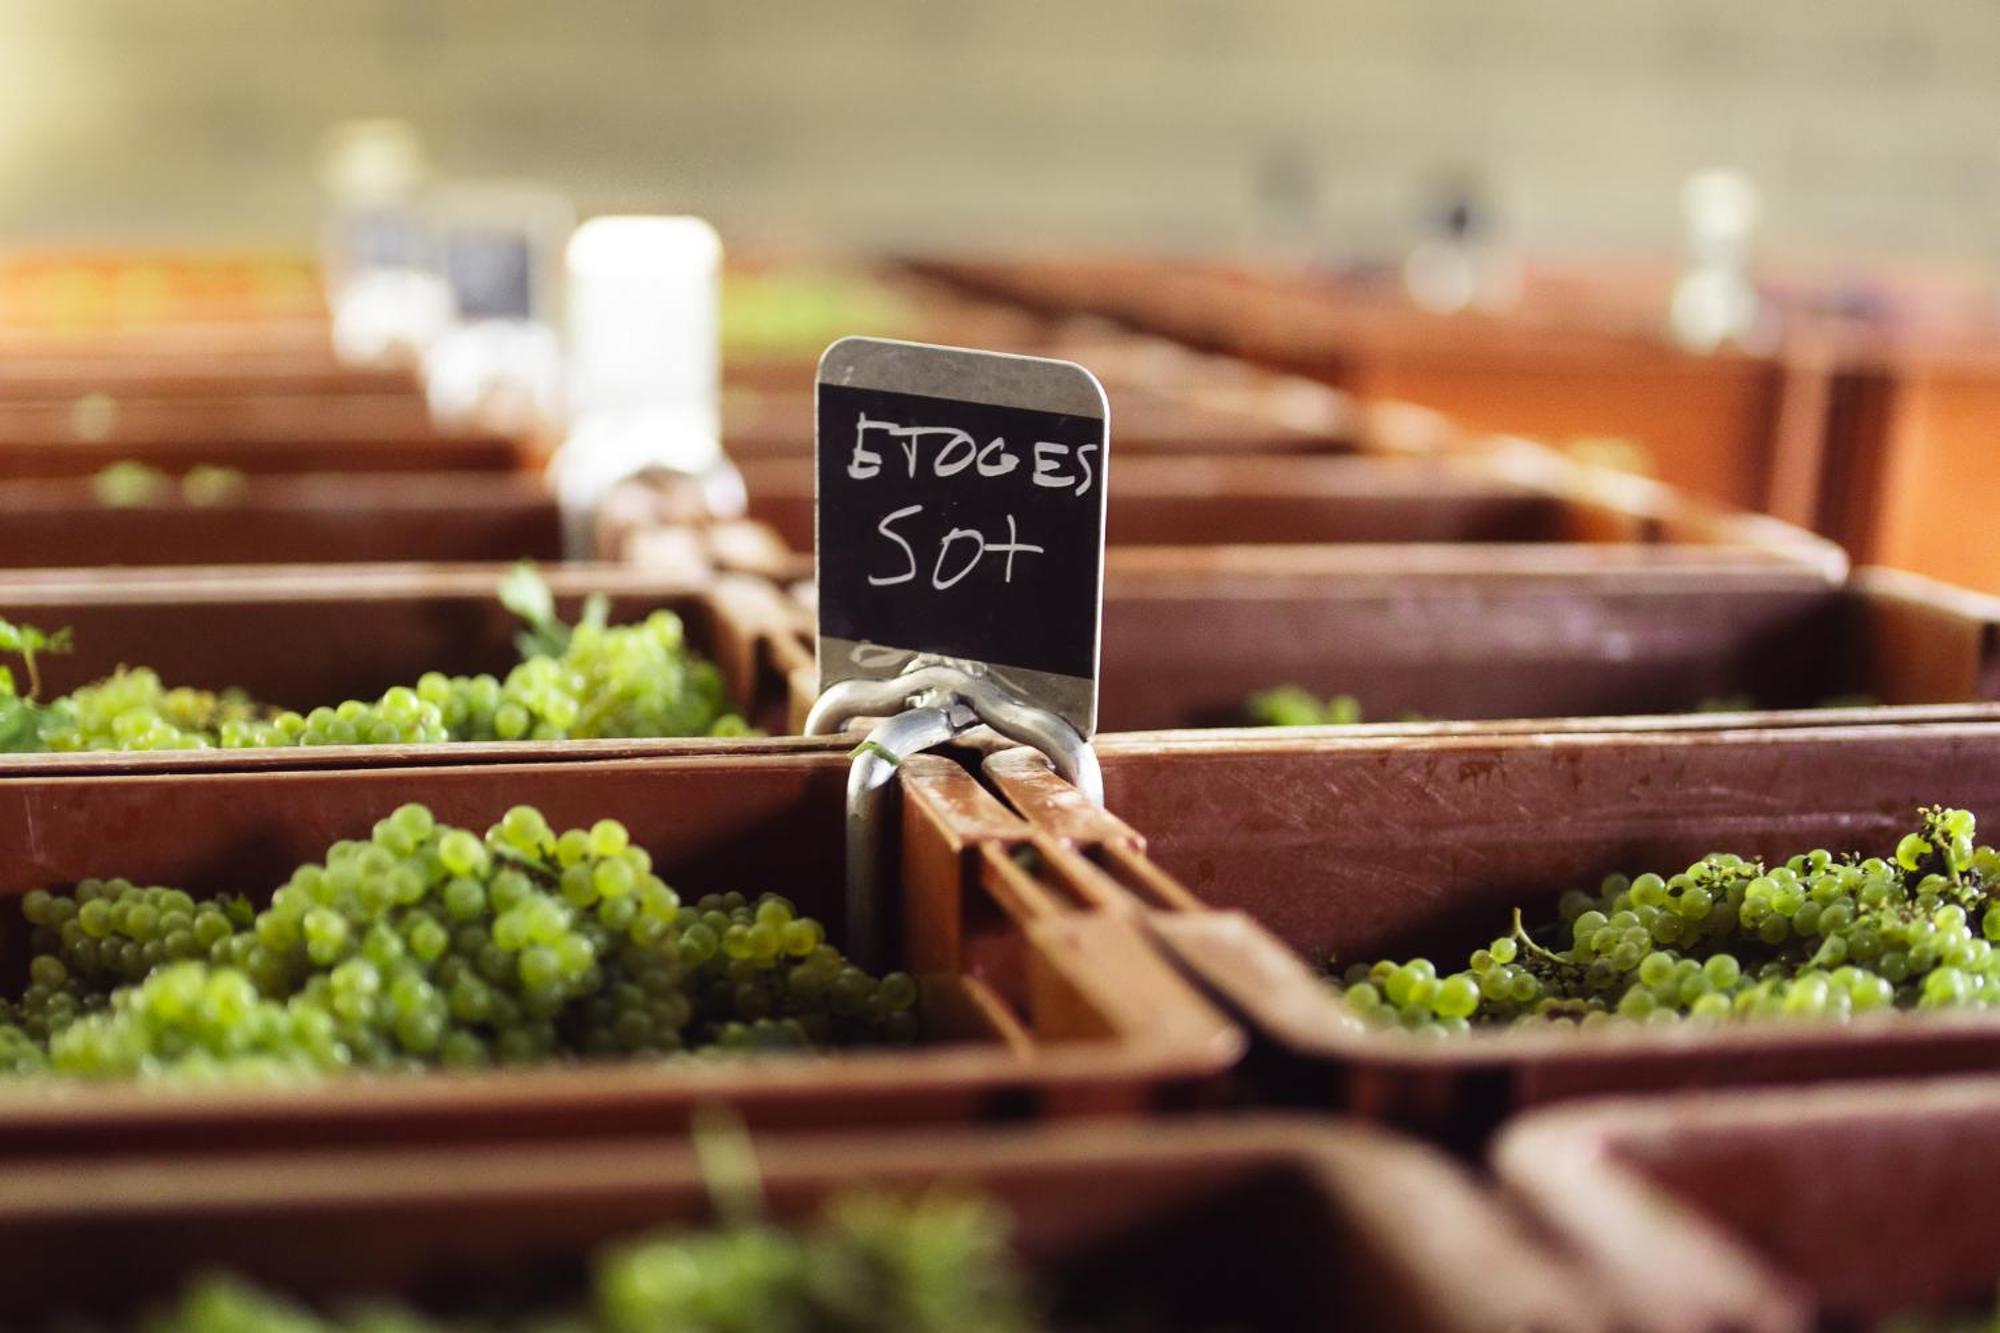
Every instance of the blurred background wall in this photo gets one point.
(1176, 124)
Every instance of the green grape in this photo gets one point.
(204, 1021)
(937, 1263)
(129, 483)
(588, 681)
(1819, 936)
(428, 944)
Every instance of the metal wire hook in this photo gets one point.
(925, 707)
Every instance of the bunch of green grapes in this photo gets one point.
(129, 484)
(764, 976)
(582, 682)
(1296, 706)
(940, 1263)
(606, 681)
(1820, 936)
(426, 944)
(199, 1021)
(20, 1051)
(110, 931)
(399, 717)
(132, 709)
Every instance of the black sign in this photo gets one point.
(491, 271)
(387, 238)
(962, 527)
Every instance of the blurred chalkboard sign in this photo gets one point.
(961, 516)
(491, 270)
(386, 238)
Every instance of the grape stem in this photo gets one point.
(1527, 942)
(882, 752)
(25, 641)
(729, 1166)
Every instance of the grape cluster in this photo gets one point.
(1820, 936)
(128, 484)
(111, 931)
(939, 1263)
(399, 717)
(20, 1053)
(132, 709)
(1296, 706)
(200, 1021)
(590, 681)
(764, 976)
(605, 681)
(424, 945)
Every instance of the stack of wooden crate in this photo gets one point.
(1128, 1037)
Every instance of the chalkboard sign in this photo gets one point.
(961, 517)
(491, 270)
(386, 238)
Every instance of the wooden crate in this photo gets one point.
(305, 636)
(1028, 1008)
(1257, 857)
(1313, 1224)
(1737, 1192)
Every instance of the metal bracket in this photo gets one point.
(928, 706)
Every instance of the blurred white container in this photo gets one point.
(645, 383)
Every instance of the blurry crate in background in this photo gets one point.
(1115, 1227)
(1729, 426)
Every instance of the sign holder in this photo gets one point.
(931, 705)
(1045, 696)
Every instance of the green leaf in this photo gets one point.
(20, 726)
(28, 641)
(526, 593)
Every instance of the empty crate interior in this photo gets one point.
(1452, 643)
(1143, 421)
(1201, 500)
(271, 433)
(1875, 1204)
(350, 518)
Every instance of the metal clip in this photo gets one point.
(927, 706)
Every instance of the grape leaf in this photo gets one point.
(20, 726)
(27, 641)
(526, 593)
